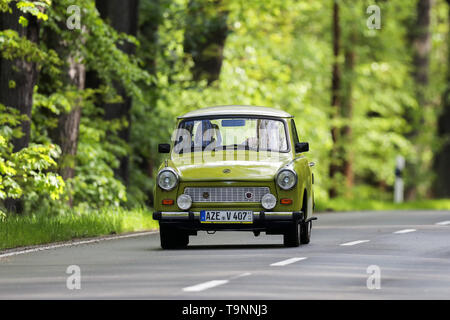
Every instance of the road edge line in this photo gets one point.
(71, 243)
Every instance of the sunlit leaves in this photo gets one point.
(35, 8)
(28, 168)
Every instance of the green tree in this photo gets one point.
(205, 36)
(442, 158)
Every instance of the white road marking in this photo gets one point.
(241, 275)
(205, 285)
(75, 243)
(405, 231)
(213, 283)
(354, 242)
(443, 223)
(287, 261)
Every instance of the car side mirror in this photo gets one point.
(164, 148)
(301, 147)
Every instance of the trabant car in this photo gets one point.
(237, 168)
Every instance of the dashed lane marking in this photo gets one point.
(405, 231)
(205, 285)
(354, 242)
(287, 261)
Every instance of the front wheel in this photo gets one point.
(291, 237)
(305, 232)
(173, 238)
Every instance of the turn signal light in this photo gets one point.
(286, 201)
(168, 202)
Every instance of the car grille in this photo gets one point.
(227, 194)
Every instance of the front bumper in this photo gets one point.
(269, 222)
(257, 216)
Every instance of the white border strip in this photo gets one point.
(443, 223)
(354, 242)
(213, 283)
(246, 274)
(405, 231)
(75, 243)
(205, 285)
(287, 261)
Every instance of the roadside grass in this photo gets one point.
(35, 229)
(343, 204)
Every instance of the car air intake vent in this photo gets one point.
(227, 194)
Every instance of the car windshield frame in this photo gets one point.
(237, 147)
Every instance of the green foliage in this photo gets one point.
(98, 151)
(35, 8)
(94, 183)
(280, 55)
(25, 172)
(277, 54)
(97, 45)
(13, 46)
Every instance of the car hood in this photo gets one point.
(229, 170)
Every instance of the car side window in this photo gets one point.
(294, 132)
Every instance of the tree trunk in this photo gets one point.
(69, 123)
(17, 81)
(148, 30)
(341, 163)
(442, 158)
(22, 73)
(347, 114)
(66, 134)
(149, 20)
(205, 36)
(422, 48)
(123, 17)
(416, 173)
(335, 99)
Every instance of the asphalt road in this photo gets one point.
(412, 264)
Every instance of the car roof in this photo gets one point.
(237, 110)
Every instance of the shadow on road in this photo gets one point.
(225, 247)
(234, 246)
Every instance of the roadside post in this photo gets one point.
(398, 186)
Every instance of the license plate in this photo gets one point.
(226, 216)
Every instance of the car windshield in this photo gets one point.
(258, 134)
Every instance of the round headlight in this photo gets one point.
(286, 179)
(184, 202)
(167, 180)
(268, 201)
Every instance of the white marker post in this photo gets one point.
(398, 186)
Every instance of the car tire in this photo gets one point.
(305, 232)
(291, 237)
(173, 238)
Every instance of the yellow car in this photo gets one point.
(234, 168)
